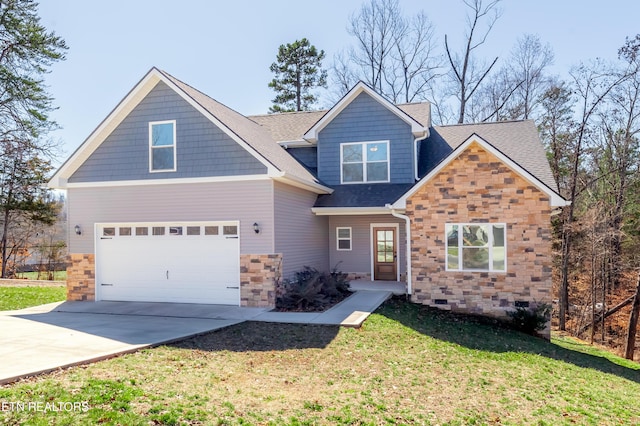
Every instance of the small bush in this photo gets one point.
(531, 320)
(312, 290)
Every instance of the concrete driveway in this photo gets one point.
(58, 335)
(47, 337)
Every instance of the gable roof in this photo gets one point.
(556, 199)
(517, 139)
(247, 133)
(291, 126)
(418, 129)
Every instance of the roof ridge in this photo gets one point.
(482, 123)
(275, 114)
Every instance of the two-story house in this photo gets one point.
(177, 198)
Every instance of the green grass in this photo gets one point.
(24, 297)
(57, 275)
(406, 365)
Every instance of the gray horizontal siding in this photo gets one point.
(247, 202)
(300, 236)
(202, 148)
(365, 119)
(358, 259)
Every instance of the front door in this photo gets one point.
(385, 259)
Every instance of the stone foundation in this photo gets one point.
(260, 278)
(354, 276)
(81, 277)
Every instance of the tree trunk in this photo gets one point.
(606, 314)
(3, 243)
(633, 323)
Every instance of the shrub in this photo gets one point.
(312, 290)
(531, 320)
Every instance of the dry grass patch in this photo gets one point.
(407, 365)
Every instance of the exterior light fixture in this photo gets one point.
(256, 228)
(78, 230)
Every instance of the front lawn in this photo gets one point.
(24, 297)
(406, 365)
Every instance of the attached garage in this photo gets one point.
(168, 262)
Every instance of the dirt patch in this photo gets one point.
(30, 283)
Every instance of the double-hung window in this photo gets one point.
(343, 238)
(162, 146)
(364, 162)
(476, 247)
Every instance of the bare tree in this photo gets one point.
(414, 58)
(375, 29)
(556, 129)
(393, 53)
(592, 84)
(467, 72)
(514, 91)
(494, 99)
(342, 76)
(527, 64)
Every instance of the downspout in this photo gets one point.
(415, 154)
(407, 221)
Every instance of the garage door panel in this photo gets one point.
(168, 268)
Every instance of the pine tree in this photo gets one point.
(298, 70)
(28, 50)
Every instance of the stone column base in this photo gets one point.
(81, 277)
(260, 276)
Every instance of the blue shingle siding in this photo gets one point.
(365, 119)
(308, 156)
(202, 148)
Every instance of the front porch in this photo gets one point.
(396, 287)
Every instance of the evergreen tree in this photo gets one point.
(28, 50)
(298, 70)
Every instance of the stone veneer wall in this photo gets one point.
(260, 278)
(477, 187)
(81, 277)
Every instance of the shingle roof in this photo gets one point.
(288, 126)
(291, 126)
(518, 140)
(362, 195)
(254, 135)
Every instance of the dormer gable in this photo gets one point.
(417, 129)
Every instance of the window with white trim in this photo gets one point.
(476, 247)
(162, 146)
(364, 162)
(343, 238)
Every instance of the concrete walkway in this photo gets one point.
(351, 312)
(47, 337)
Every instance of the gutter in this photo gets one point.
(407, 221)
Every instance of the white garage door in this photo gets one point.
(168, 262)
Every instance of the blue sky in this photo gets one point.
(224, 48)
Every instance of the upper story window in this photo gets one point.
(364, 162)
(476, 247)
(162, 146)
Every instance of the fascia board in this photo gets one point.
(301, 183)
(104, 129)
(349, 211)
